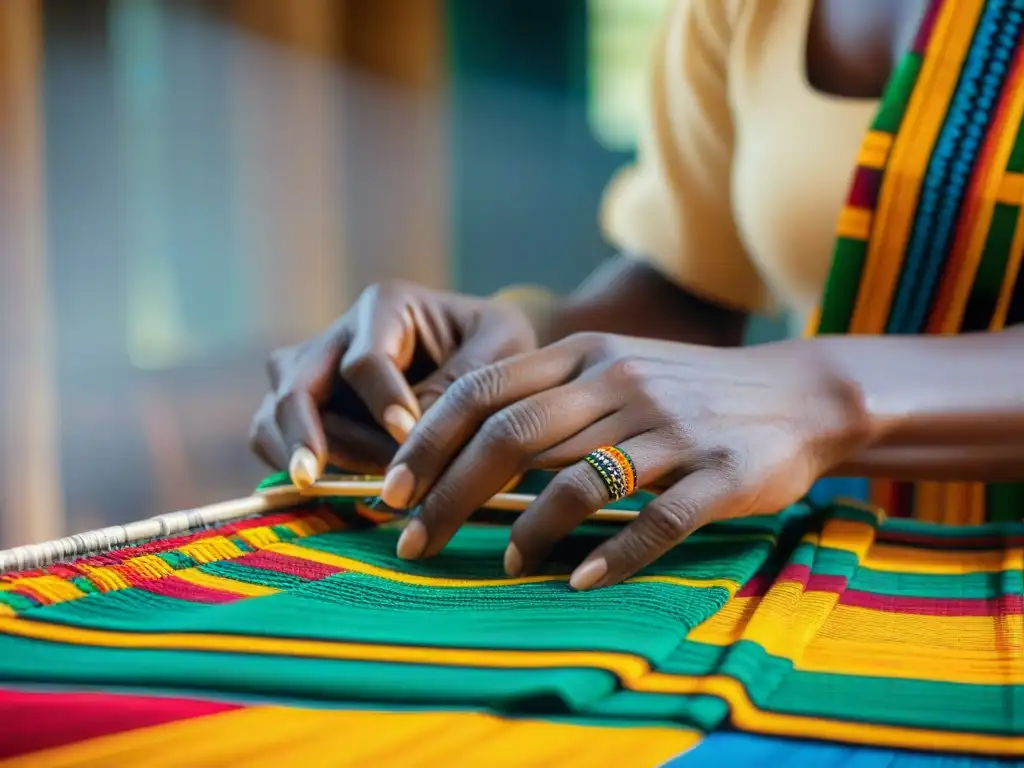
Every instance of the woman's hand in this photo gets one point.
(727, 433)
(345, 396)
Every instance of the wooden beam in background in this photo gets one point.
(31, 499)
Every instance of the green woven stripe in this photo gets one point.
(177, 560)
(646, 619)
(32, 661)
(840, 293)
(1015, 164)
(703, 712)
(988, 279)
(897, 94)
(773, 684)
(259, 576)
(19, 603)
(476, 553)
(1005, 501)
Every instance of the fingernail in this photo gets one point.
(399, 422)
(513, 560)
(303, 468)
(588, 574)
(398, 487)
(413, 540)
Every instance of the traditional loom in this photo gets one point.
(295, 636)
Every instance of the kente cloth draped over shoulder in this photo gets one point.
(818, 636)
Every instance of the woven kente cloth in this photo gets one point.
(833, 635)
(931, 238)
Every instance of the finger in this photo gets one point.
(356, 447)
(499, 450)
(463, 408)
(298, 418)
(697, 499)
(381, 348)
(265, 438)
(489, 344)
(579, 491)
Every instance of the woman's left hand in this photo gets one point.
(726, 433)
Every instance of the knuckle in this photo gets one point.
(627, 369)
(284, 404)
(277, 361)
(478, 388)
(729, 464)
(672, 521)
(580, 486)
(360, 365)
(516, 428)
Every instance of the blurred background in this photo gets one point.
(186, 184)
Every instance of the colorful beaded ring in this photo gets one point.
(616, 470)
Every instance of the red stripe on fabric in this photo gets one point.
(293, 566)
(759, 585)
(864, 190)
(172, 586)
(36, 721)
(1005, 605)
(924, 32)
(322, 513)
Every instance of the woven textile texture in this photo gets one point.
(827, 624)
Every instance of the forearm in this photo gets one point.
(630, 298)
(949, 407)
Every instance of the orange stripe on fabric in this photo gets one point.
(854, 223)
(875, 149)
(748, 717)
(989, 185)
(1011, 187)
(912, 149)
(929, 501)
(275, 736)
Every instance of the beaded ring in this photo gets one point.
(616, 470)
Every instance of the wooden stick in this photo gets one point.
(262, 502)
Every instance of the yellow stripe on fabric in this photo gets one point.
(51, 589)
(911, 152)
(149, 566)
(6, 610)
(854, 223)
(200, 579)
(928, 501)
(633, 671)
(358, 566)
(276, 736)
(625, 666)
(999, 186)
(746, 716)
(875, 149)
(258, 537)
(211, 549)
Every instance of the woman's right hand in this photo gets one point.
(352, 394)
